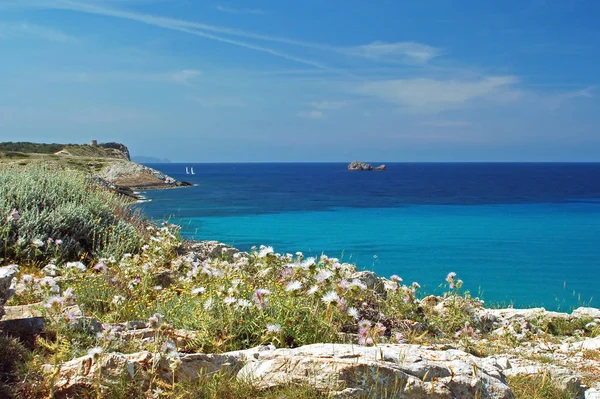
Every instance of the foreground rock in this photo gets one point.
(7, 273)
(362, 166)
(344, 371)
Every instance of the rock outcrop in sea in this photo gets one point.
(362, 166)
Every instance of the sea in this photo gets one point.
(517, 234)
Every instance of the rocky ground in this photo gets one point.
(498, 345)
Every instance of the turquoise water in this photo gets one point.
(526, 253)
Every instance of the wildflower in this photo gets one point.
(450, 279)
(36, 242)
(390, 286)
(299, 254)
(13, 216)
(198, 290)
(50, 270)
(294, 286)
(396, 278)
(95, 352)
(118, 300)
(58, 241)
(208, 304)
(49, 241)
(329, 297)
(323, 276)
(364, 323)
(260, 297)
(155, 320)
(54, 302)
(243, 304)
(379, 329)
(229, 300)
(307, 263)
(69, 294)
(27, 279)
(359, 284)
(264, 251)
(274, 328)
(77, 265)
(416, 285)
(101, 267)
(353, 312)
(344, 284)
(157, 288)
(399, 337)
(313, 290)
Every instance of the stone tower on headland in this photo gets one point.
(93, 143)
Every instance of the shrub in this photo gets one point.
(51, 213)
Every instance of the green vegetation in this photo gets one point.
(50, 214)
(537, 387)
(35, 148)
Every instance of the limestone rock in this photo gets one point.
(352, 371)
(592, 313)
(7, 273)
(587, 344)
(204, 250)
(371, 280)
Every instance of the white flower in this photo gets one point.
(329, 297)
(69, 293)
(396, 278)
(264, 251)
(36, 242)
(77, 265)
(359, 284)
(353, 312)
(118, 300)
(198, 290)
(208, 304)
(274, 328)
(313, 290)
(58, 241)
(243, 304)
(323, 275)
(54, 300)
(294, 286)
(306, 263)
(229, 300)
(27, 279)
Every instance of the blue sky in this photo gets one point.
(312, 80)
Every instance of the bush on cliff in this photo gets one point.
(50, 214)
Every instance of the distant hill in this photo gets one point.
(144, 159)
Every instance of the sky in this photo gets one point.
(306, 81)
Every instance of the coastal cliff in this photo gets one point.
(109, 163)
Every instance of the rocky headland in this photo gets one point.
(357, 166)
(109, 163)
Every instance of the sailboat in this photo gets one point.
(192, 171)
(187, 171)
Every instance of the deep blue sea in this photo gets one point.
(521, 234)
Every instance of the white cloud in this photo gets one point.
(314, 114)
(430, 95)
(184, 76)
(557, 100)
(232, 10)
(404, 52)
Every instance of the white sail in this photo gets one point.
(193, 171)
(187, 171)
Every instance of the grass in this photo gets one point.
(537, 387)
